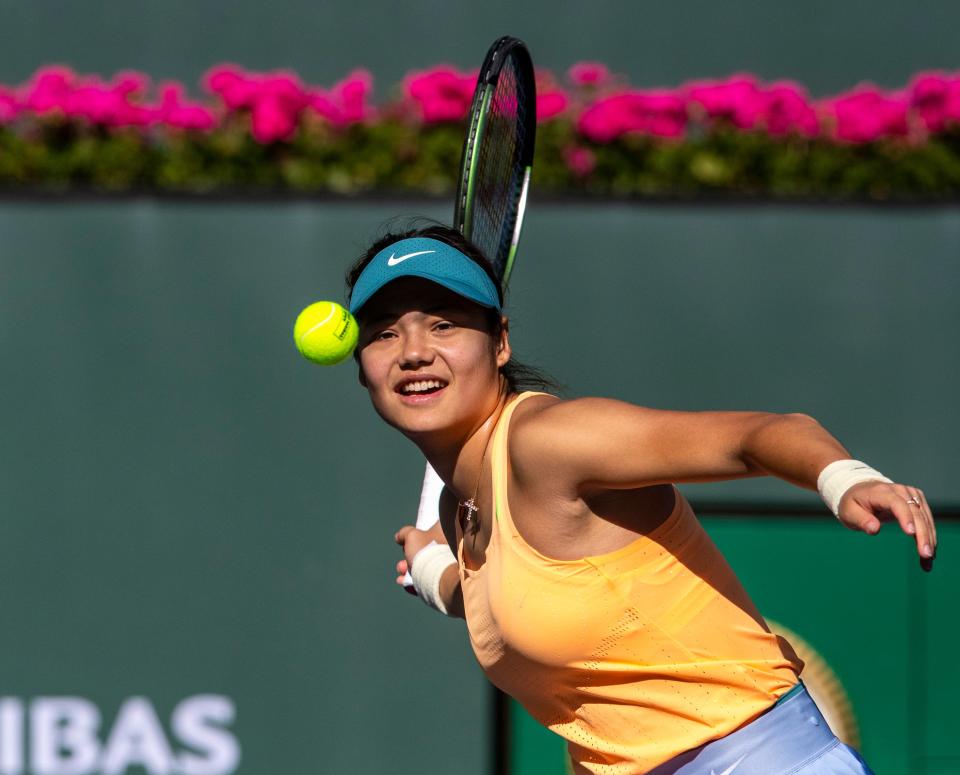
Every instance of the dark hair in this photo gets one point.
(519, 376)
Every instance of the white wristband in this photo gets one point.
(840, 476)
(428, 567)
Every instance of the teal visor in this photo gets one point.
(430, 259)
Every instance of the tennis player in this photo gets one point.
(592, 594)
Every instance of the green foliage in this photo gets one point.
(396, 155)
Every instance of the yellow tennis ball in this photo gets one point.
(325, 333)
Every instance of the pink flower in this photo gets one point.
(130, 82)
(271, 120)
(48, 88)
(275, 100)
(666, 113)
(552, 100)
(229, 82)
(10, 106)
(91, 102)
(788, 110)
(551, 104)
(658, 113)
(936, 99)
(588, 74)
(97, 103)
(276, 109)
(324, 105)
(442, 94)
(58, 88)
(177, 112)
(579, 160)
(352, 93)
(738, 100)
(285, 88)
(866, 115)
(346, 103)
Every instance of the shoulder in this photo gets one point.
(546, 429)
(544, 417)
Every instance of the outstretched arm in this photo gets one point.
(599, 444)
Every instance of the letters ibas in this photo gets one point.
(65, 736)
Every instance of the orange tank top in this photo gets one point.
(633, 656)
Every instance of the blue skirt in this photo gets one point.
(791, 738)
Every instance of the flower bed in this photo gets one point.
(597, 135)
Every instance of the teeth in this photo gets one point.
(422, 386)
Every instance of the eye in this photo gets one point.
(382, 336)
(443, 325)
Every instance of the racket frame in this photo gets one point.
(471, 157)
(479, 111)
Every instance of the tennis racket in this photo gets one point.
(494, 180)
(498, 155)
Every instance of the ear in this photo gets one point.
(503, 343)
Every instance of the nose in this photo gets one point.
(416, 350)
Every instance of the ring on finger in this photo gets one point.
(914, 500)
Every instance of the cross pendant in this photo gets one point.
(471, 508)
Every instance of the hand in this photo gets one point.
(402, 571)
(866, 505)
(411, 540)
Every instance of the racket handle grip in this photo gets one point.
(428, 512)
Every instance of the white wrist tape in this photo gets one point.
(840, 476)
(428, 567)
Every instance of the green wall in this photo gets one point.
(191, 509)
(827, 45)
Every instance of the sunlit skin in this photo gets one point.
(415, 331)
(586, 476)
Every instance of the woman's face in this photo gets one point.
(428, 360)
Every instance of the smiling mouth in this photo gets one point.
(423, 387)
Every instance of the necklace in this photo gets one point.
(469, 507)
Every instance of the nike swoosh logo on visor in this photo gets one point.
(729, 769)
(394, 261)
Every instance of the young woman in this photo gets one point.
(591, 593)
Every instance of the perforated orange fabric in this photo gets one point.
(633, 656)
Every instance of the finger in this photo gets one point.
(906, 513)
(928, 515)
(894, 502)
(928, 549)
(907, 494)
(855, 517)
(401, 535)
(924, 532)
(926, 544)
(402, 567)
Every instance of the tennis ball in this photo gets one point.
(325, 333)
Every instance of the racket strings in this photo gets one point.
(500, 174)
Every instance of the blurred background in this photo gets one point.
(195, 549)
